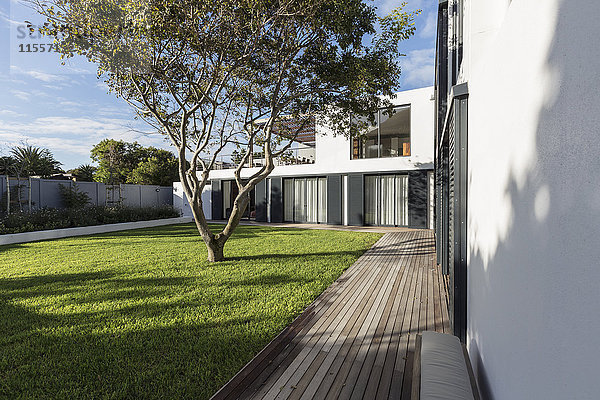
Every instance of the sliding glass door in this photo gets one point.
(305, 200)
(386, 200)
(401, 200)
(370, 200)
(322, 201)
(230, 191)
(288, 199)
(299, 200)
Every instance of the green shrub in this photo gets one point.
(53, 218)
(72, 197)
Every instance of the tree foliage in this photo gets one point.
(159, 168)
(116, 159)
(33, 161)
(123, 162)
(7, 165)
(84, 173)
(211, 74)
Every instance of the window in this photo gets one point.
(390, 137)
(305, 200)
(386, 200)
(227, 198)
(230, 191)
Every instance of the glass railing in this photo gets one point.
(295, 156)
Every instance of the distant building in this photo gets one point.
(386, 179)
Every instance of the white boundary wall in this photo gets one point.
(27, 237)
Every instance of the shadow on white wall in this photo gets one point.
(534, 205)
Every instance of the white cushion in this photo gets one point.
(443, 369)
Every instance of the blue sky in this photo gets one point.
(66, 109)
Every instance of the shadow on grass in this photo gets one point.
(111, 353)
(192, 361)
(189, 230)
(107, 287)
(352, 253)
(106, 335)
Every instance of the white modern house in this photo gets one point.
(385, 179)
(518, 191)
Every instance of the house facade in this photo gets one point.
(518, 191)
(384, 180)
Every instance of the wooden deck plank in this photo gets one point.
(274, 386)
(389, 344)
(293, 383)
(418, 324)
(373, 364)
(329, 370)
(283, 359)
(321, 373)
(396, 335)
(401, 355)
(366, 356)
(429, 267)
(355, 348)
(421, 325)
(356, 339)
(279, 347)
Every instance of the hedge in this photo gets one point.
(52, 218)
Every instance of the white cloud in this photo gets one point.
(19, 94)
(418, 68)
(75, 135)
(52, 143)
(5, 17)
(384, 7)
(430, 26)
(10, 113)
(69, 103)
(103, 86)
(42, 76)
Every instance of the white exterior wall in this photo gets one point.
(333, 153)
(533, 71)
(180, 201)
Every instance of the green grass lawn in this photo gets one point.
(141, 314)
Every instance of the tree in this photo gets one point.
(123, 162)
(116, 159)
(84, 173)
(160, 167)
(7, 165)
(32, 161)
(213, 74)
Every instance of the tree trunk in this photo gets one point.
(214, 243)
(215, 251)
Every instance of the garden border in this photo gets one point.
(26, 237)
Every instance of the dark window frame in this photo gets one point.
(355, 144)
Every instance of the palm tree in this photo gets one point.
(31, 160)
(85, 172)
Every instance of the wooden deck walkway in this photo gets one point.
(356, 340)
